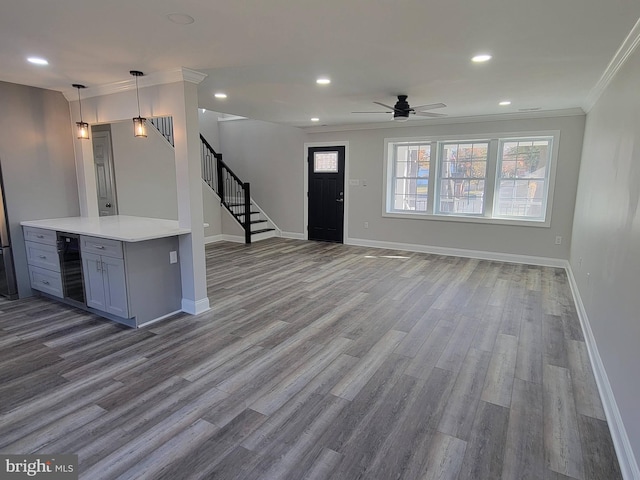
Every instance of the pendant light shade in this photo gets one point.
(139, 123)
(82, 127)
(140, 127)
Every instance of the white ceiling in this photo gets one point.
(267, 54)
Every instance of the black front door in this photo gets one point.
(326, 193)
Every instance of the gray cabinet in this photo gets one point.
(133, 282)
(43, 261)
(105, 284)
(104, 275)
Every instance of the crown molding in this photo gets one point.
(158, 78)
(567, 112)
(626, 49)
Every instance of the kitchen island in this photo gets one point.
(120, 267)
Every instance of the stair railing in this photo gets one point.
(165, 126)
(234, 194)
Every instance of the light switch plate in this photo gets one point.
(173, 257)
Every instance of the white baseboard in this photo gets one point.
(195, 307)
(156, 320)
(458, 252)
(223, 237)
(624, 451)
(293, 235)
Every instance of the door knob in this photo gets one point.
(340, 200)
(108, 205)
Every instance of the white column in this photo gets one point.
(190, 209)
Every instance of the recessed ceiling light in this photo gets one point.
(220, 95)
(315, 119)
(38, 61)
(180, 18)
(504, 103)
(483, 57)
(323, 81)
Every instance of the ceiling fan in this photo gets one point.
(402, 110)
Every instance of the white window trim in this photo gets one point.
(492, 162)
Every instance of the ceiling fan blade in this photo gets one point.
(429, 106)
(373, 112)
(430, 114)
(385, 106)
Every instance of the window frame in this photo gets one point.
(437, 206)
(546, 178)
(491, 178)
(393, 178)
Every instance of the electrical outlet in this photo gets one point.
(580, 262)
(558, 240)
(366, 224)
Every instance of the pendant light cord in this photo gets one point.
(80, 103)
(137, 95)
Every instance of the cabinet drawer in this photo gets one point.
(40, 235)
(101, 246)
(41, 255)
(46, 281)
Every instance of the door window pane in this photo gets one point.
(325, 162)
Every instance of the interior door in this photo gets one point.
(326, 193)
(105, 185)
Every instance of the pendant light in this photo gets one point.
(139, 123)
(83, 127)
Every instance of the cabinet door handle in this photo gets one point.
(42, 256)
(98, 266)
(99, 247)
(39, 236)
(46, 282)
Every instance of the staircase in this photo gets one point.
(234, 194)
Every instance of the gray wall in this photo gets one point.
(208, 121)
(605, 253)
(37, 158)
(145, 171)
(270, 157)
(366, 162)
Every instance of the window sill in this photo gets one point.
(468, 219)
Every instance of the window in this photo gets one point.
(523, 178)
(410, 184)
(461, 183)
(499, 178)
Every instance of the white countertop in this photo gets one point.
(116, 227)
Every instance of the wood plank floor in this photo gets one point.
(317, 361)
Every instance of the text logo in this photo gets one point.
(45, 467)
